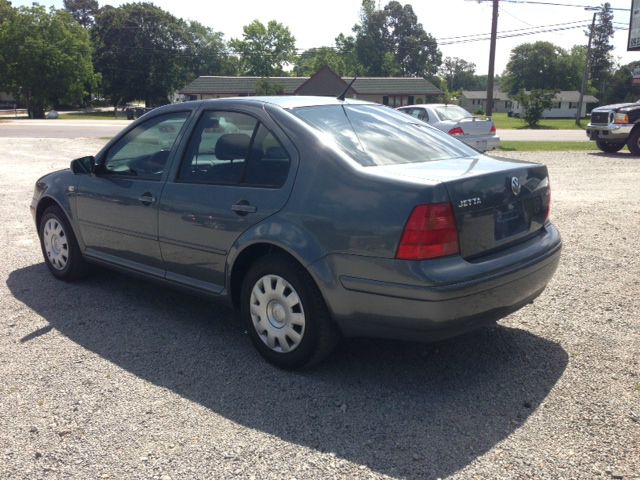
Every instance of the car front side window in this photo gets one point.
(144, 151)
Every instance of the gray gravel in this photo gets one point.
(118, 378)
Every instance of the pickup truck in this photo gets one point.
(614, 126)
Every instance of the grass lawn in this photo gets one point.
(547, 146)
(93, 116)
(502, 121)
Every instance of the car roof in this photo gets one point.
(284, 101)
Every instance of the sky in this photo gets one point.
(317, 23)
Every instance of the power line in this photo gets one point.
(558, 4)
(522, 34)
(585, 22)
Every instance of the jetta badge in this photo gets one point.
(515, 185)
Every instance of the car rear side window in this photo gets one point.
(231, 148)
(376, 135)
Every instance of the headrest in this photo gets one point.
(210, 123)
(232, 146)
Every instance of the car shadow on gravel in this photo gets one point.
(623, 155)
(402, 409)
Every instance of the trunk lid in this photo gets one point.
(496, 202)
(475, 126)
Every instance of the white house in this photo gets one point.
(565, 105)
(474, 100)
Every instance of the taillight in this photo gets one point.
(493, 129)
(456, 131)
(430, 232)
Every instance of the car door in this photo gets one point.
(234, 173)
(117, 206)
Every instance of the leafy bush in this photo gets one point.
(534, 103)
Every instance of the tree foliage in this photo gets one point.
(540, 66)
(45, 57)
(534, 103)
(84, 11)
(458, 73)
(601, 60)
(144, 52)
(206, 52)
(391, 42)
(264, 50)
(619, 87)
(312, 60)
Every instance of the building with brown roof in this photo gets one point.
(392, 91)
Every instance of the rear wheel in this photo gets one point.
(633, 142)
(609, 147)
(285, 313)
(59, 246)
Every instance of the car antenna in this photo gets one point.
(342, 95)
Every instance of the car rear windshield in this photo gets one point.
(452, 112)
(376, 135)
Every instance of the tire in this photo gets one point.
(60, 247)
(609, 147)
(633, 142)
(285, 314)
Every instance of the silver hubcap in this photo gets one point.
(277, 313)
(55, 244)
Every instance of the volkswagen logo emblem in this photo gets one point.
(515, 185)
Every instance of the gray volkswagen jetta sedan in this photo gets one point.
(315, 217)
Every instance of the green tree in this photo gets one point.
(206, 52)
(534, 103)
(458, 73)
(346, 50)
(415, 51)
(619, 86)
(142, 52)
(391, 42)
(601, 60)
(312, 60)
(539, 65)
(264, 50)
(84, 11)
(45, 57)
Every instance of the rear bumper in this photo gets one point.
(435, 299)
(482, 142)
(612, 132)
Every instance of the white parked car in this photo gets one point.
(477, 132)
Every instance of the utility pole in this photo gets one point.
(492, 59)
(585, 74)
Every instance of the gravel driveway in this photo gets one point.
(118, 378)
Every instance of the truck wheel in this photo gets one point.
(609, 147)
(633, 142)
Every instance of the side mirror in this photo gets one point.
(82, 165)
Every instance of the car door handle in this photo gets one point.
(243, 208)
(146, 198)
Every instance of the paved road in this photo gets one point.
(543, 135)
(61, 128)
(108, 128)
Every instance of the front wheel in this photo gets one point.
(609, 147)
(285, 313)
(633, 142)
(59, 246)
